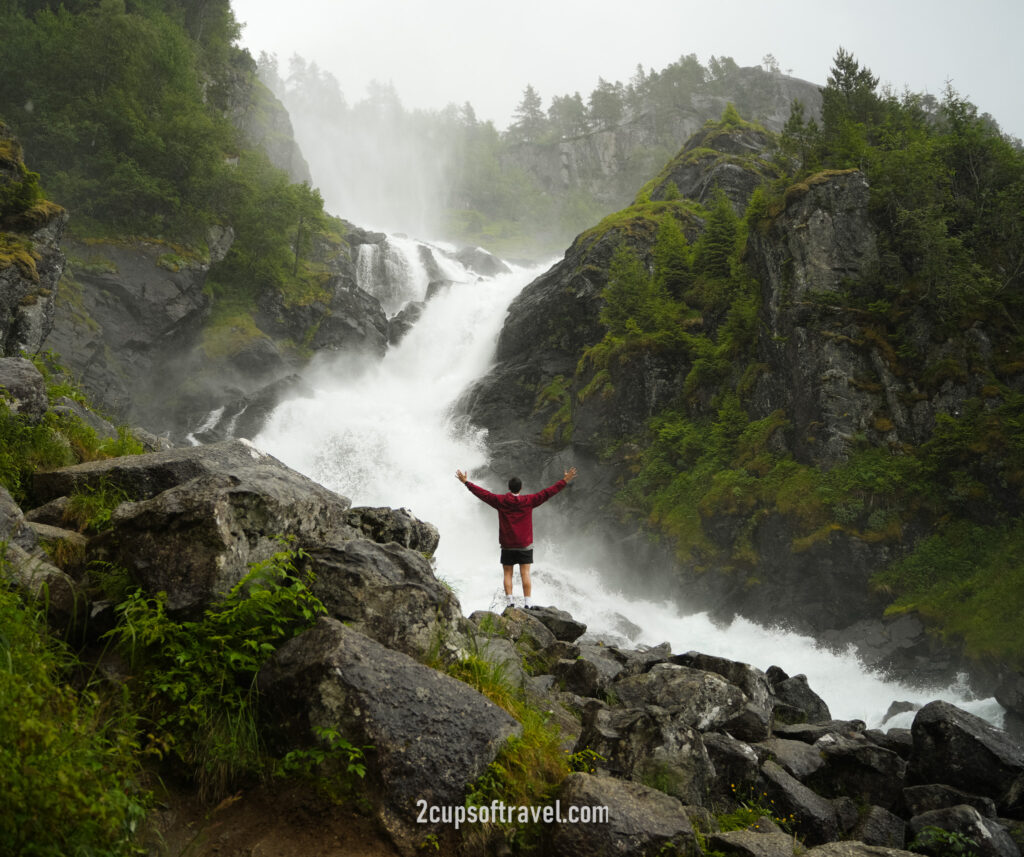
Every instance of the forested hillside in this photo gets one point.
(526, 190)
(796, 360)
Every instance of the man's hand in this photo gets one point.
(461, 476)
(570, 474)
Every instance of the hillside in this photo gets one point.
(794, 363)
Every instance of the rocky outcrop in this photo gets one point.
(430, 735)
(31, 262)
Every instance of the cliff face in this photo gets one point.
(31, 263)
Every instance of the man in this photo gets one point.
(515, 525)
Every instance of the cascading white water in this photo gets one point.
(383, 434)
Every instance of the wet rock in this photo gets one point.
(736, 766)
(899, 741)
(858, 769)
(956, 748)
(481, 262)
(404, 321)
(649, 745)
(642, 820)
(382, 524)
(703, 699)
(795, 702)
(431, 735)
(813, 817)
(925, 798)
(756, 721)
(560, 623)
(987, 837)
(878, 826)
(205, 518)
(796, 757)
(22, 388)
(812, 732)
(387, 592)
(747, 843)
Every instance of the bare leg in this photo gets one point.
(524, 573)
(508, 578)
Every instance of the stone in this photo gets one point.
(736, 766)
(987, 837)
(854, 849)
(206, 517)
(813, 817)
(956, 748)
(382, 524)
(648, 745)
(795, 702)
(22, 388)
(747, 843)
(66, 603)
(756, 721)
(641, 820)
(481, 262)
(878, 826)
(430, 734)
(703, 699)
(924, 798)
(560, 623)
(857, 768)
(796, 757)
(387, 592)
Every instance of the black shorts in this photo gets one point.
(516, 556)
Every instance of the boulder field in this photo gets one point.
(675, 741)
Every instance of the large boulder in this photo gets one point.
(649, 745)
(813, 816)
(702, 699)
(954, 747)
(430, 735)
(387, 592)
(934, 832)
(205, 516)
(795, 702)
(756, 720)
(640, 820)
(382, 524)
(859, 769)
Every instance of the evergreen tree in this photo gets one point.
(672, 266)
(718, 241)
(529, 122)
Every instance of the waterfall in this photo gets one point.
(384, 435)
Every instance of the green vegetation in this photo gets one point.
(69, 759)
(951, 245)
(195, 680)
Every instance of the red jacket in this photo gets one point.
(515, 512)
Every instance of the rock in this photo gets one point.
(641, 820)
(66, 604)
(812, 732)
(560, 623)
(858, 769)
(245, 416)
(67, 547)
(430, 735)
(854, 849)
(736, 766)
(49, 513)
(796, 757)
(104, 429)
(925, 798)
(22, 388)
(649, 745)
(13, 524)
(747, 843)
(795, 702)
(987, 837)
(387, 592)
(145, 476)
(404, 321)
(878, 826)
(703, 699)
(897, 708)
(899, 741)
(813, 817)
(591, 673)
(958, 749)
(756, 721)
(196, 538)
(382, 524)
(481, 262)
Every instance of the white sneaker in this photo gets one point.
(528, 603)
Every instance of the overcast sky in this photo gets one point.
(437, 52)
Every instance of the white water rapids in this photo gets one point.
(382, 434)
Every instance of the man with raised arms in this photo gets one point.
(515, 525)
